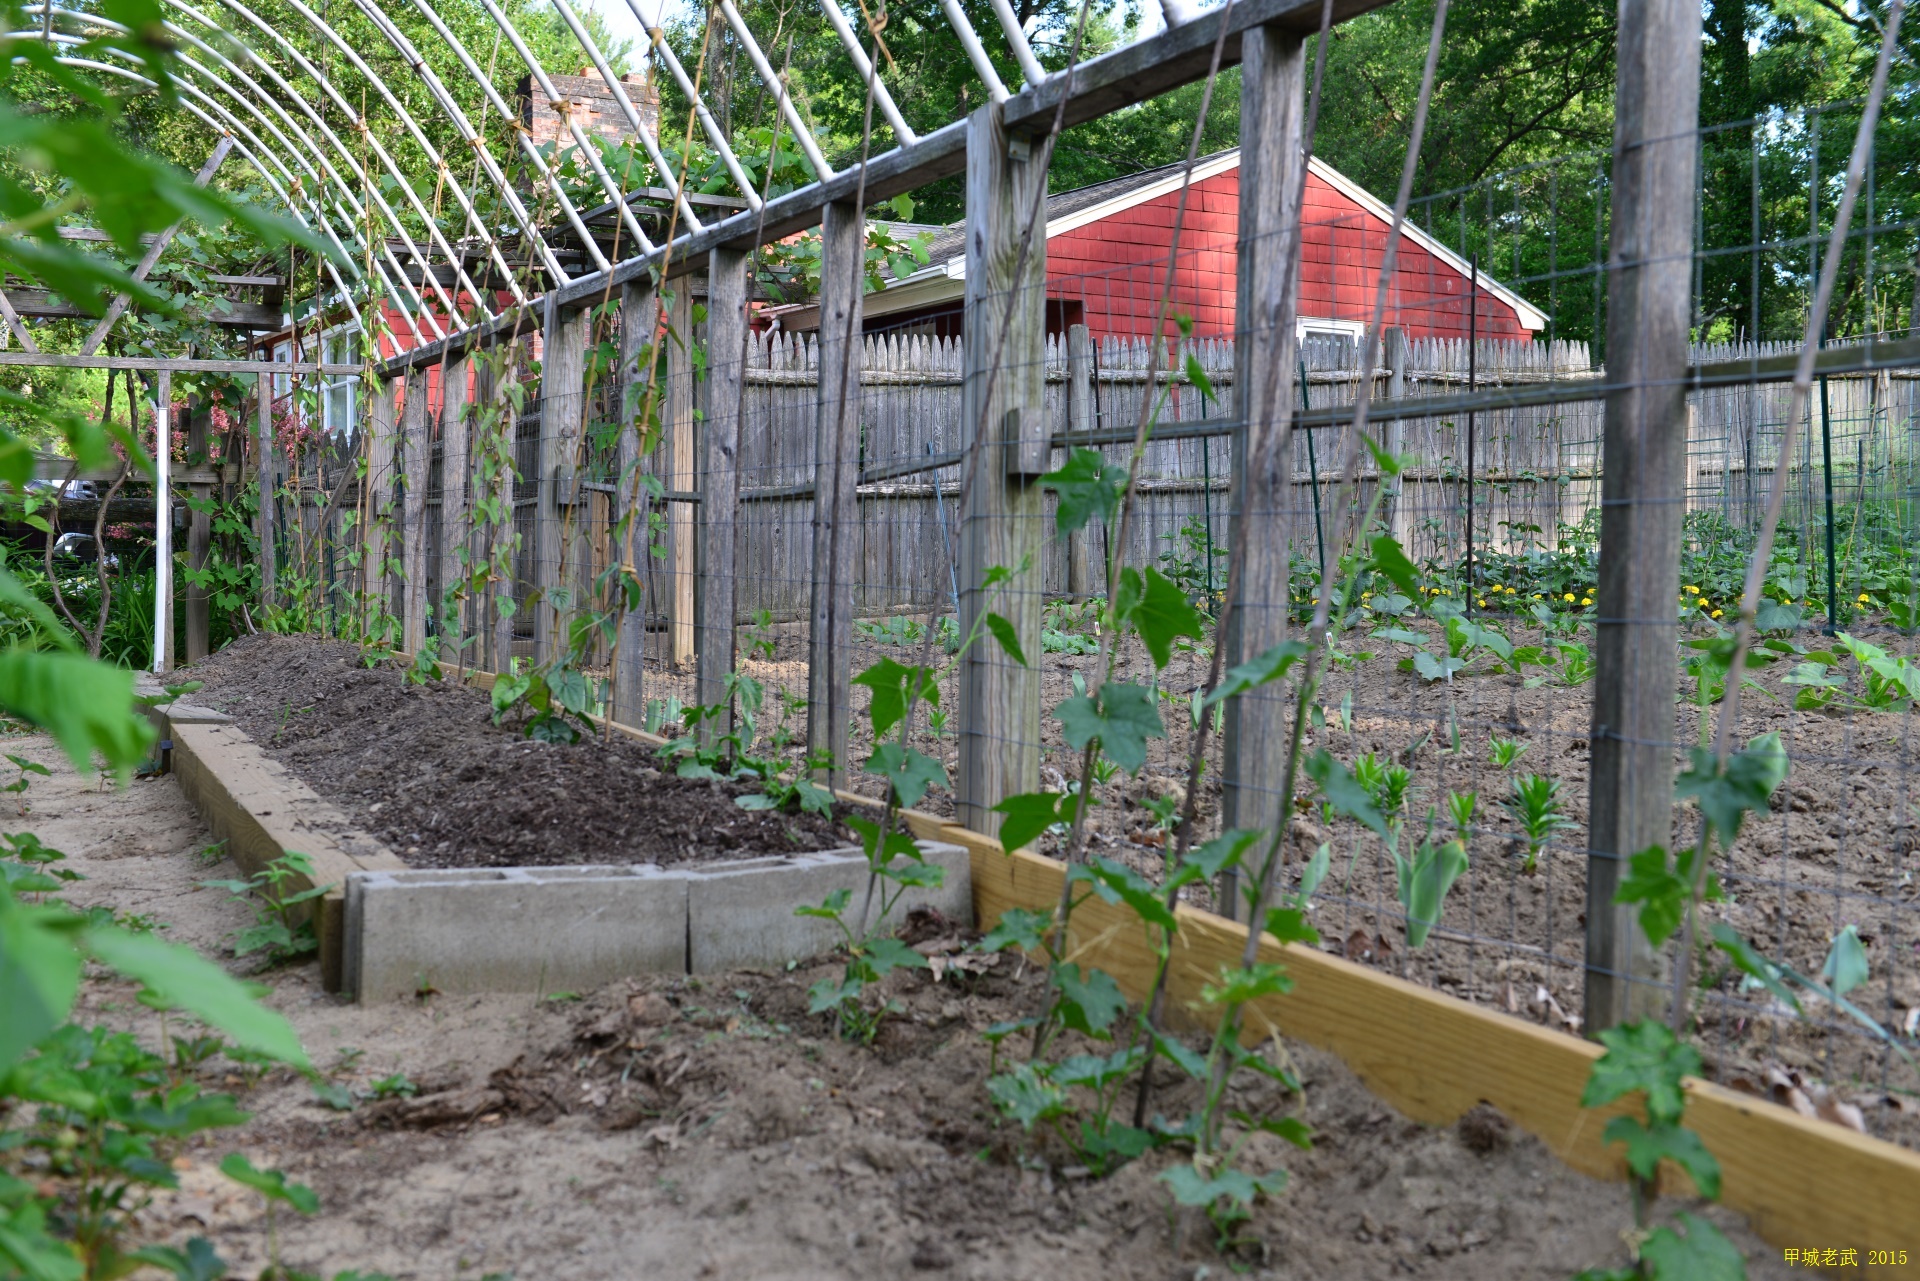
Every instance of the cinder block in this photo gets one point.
(741, 914)
(521, 929)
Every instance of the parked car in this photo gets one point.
(72, 550)
(75, 490)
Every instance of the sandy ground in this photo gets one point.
(686, 1129)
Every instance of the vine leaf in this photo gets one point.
(1088, 486)
(910, 772)
(1255, 672)
(1159, 611)
(1029, 814)
(1121, 715)
(1642, 1056)
(1701, 1255)
(1344, 792)
(1009, 639)
(1647, 1146)
(1393, 562)
(893, 684)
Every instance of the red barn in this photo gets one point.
(1107, 248)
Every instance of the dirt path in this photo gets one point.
(713, 1129)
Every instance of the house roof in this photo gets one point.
(941, 279)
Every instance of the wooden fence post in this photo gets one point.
(378, 486)
(199, 535)
(491, 390)
(562, 369)
(415, 446)
(456, 533)
(639, 324)
(264, 466)
(1004, 521)
(1080, 579)
(836, 515)
(1264, 391)
(677, 426)
(720, 478)
(1643, 489)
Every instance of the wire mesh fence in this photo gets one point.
(1466, 706)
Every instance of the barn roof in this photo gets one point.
(1068, 210)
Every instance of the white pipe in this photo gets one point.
(864, 65)
(1022, 51)
(707, 123)
(803, 135)
(982, 65)
(162, 529)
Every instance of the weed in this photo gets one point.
(274, 899)
(1503, 752)
(27, 770)
(397, 1086)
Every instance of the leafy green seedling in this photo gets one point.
(1535, 805)
(1460, 807)
(27, 770)
(397, 1086)
(1505, 751)
(1424, 881)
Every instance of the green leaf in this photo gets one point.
(1255, 672)
(1029, 814)
(1239, 985)
(1009, 639)
(1390, 560)
(1434, 669)
(1389, 463)
(888, 954)
(1846, 965)
(1755, 966)
(1118, 884)
(893, 684)
(1181, 1055)
(830, 994)
(1748, 783)
(197, 1262)
(1122, 716)
(271, 1184)
(86, 706)
(186, 981)
(39, 975)
(1648, 1146)
(1662, 893)
(1642, 1056)
(1424, 882)
(1087, 486)
(1089, 999)
(1190, 1187)
(1159, 611)
(1343, 791)
(1022, 1094)
(910, 772)
(1290, 925)
(1098, 1071)
(1213, 857)
(1018, 927)
(1703, 1254)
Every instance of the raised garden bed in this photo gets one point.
(630, 870)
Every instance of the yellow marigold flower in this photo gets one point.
(1717, 613)
(1538, 596)
(1483, 604)
(1569, 596)
(1694, 590)
(1863, 598)
(1586, 600)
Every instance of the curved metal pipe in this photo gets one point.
(707, 123)
(864, 65)
(802, 134)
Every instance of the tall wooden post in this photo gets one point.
(1080, 579)
(836, 516)
(199, 536)
(376, 536)
(556, 520)
(266, 466)
(456, 518)
(676, 419)
(1004, 522)
(163, 521)
(720, 477)
(1263, 386)
(1643, 488)
(415, 446)
(491, 390)
(639, 322)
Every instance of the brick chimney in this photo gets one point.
(587, 99)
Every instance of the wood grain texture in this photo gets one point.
(639, 325)
(682, 467)
(456, 523)
(1004, 523)
(415, 448)
(266, 461)
(199, 540)
(555, 527)
(1432, 1056)
(377, 522)
(836, 515)
(1265, 393)
(719, 480)
(1643, 493)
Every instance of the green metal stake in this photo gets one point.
(1313, 473)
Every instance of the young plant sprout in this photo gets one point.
(1535, 805)
(1505, 751)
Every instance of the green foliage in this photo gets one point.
(895, 865)
(1536, 806)
(1087, 486)
(1423, 884)
(277, 901)
(1121, 716)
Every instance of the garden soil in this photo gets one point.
(712, 1129)
(424, 768)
